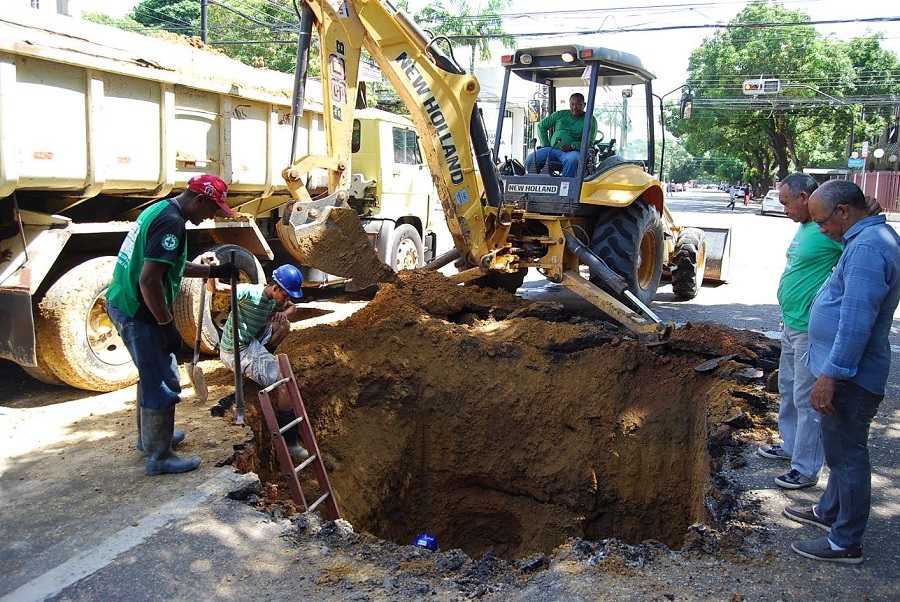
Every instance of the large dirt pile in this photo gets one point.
(500, 424)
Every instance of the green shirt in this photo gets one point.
(566, 129)
(157, 235)
(810, 258)
(255, 310)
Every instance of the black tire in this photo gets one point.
(507, 281)
(407, 250)
(79, 344)
(630, 241)
(187, 303)
(40, 374)
(689, 263)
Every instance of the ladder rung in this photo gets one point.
(319, 501)
(306, 463)
(275, 385)
(290, 425)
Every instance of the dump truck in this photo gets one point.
(96, 124)
(604, 232)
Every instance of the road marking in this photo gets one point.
(90, 561)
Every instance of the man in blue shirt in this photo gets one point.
(850, 354)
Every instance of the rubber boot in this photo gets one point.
(177, 436)
(156, 433)
(292, 435)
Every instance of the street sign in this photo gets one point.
(852, 163)
(754, 87)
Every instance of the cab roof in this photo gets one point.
(547, 65)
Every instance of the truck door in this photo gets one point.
(406, 181)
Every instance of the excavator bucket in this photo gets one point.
(330, 238)
(718, 254)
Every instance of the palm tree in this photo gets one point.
(475, 29)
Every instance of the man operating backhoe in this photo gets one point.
(564, 144)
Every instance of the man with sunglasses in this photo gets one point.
(849, 354)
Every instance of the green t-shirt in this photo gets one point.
(810, 258)
(157, 235)
(255, 310)
(566, 129)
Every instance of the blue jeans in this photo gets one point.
(159, 383)
(845, 436)
(798, 423)
(569, 160)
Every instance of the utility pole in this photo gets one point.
(204, 6)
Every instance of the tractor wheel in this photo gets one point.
(630, 241)
(689, 263)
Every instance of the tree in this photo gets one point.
(128, 24)
(262, 33)
(177, 16)
(773, 137)
(475, 29)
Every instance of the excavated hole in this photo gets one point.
(633, 471)
(507, 435)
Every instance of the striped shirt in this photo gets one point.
(255, 310)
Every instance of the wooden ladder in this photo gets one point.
(301, 420)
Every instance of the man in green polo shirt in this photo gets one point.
(149, 268)
(565, 143)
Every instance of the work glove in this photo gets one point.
(171, 342)
(225, 271)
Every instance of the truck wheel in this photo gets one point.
(630, 241)
(689, 263)
(407, 251)
(39, 374)
(187, 302)
(79, 344)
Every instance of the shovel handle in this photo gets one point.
(200, 321)
(238, 376)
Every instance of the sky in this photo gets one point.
(666, 53)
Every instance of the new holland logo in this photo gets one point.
(540, 188)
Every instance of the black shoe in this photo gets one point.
(820, 549)
(805, 515)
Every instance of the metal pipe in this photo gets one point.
(443, 259)
(597, 265)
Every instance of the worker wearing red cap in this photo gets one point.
(149, 268)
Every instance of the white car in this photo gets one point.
(771, 204)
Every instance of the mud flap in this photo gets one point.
(718, 254)
(327, 235)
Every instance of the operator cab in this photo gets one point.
(617, 92)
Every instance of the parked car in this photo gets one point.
(771, 204)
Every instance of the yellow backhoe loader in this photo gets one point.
(504, 217)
